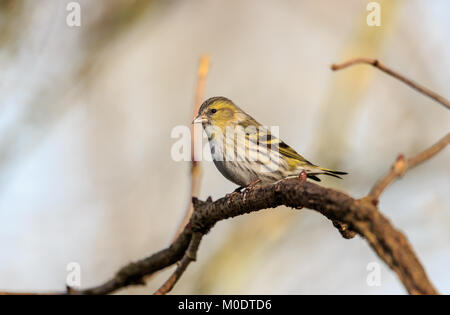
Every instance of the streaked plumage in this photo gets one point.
(244, 151)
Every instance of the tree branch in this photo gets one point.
(189, 256)
(361, 216)
(377, 64)
(401, 165)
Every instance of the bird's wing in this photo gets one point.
(291, 153)
(263, 137)
(266, 138)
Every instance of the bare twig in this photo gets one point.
(377, 64)
(196, 171)
(401, 165)
(189, 256)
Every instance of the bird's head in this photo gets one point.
(219, 112)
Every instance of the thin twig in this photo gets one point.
(377, 64)
(196, 171)
(189, 256)
(401, 165)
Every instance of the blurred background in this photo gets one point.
(86, 115)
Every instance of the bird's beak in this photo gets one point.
(200, 119)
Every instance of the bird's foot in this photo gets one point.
(252, 184)
(235, 192)
(239, 189)
(249, 188)
(303, 176)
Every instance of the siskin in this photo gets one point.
(245, 152)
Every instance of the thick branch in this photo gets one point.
(377, 64)
(401, 165)
(360, 216)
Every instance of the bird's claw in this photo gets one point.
(249, 188)
(303, 176)
(239, 189)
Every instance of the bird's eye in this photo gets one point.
(213, 110)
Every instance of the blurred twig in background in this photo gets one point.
(196, 171)
(196, 177)
(377, 64)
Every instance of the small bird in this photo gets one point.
(245, 152)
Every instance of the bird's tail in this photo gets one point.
(324, 171)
